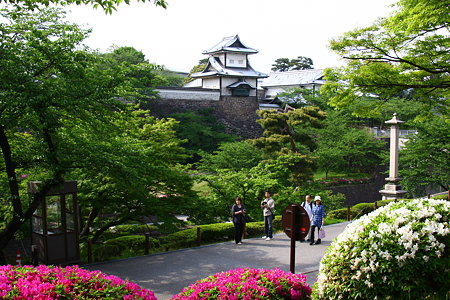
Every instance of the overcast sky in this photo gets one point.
(176, 37)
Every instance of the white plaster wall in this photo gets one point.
(236, 60)
(211, 83)
(221, 56)
(188, 95)
(226, 81)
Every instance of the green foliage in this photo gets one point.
(49, 82)
(395, 252)
(66, 98)
(301, 97)
(286, 64)
(330, 201)
(288, 140)
(225, 185)
(402, 54)
(201, 132)
(108, 6)
(231, 156)
(425, 159)
(143, 76)
(123, 246)
(198, 68)
(342, 148)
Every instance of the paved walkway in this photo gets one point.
(166, 274)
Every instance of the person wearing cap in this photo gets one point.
(317, 219)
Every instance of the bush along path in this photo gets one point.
(399, 251)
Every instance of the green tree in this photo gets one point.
(287, 142)
(345, 148)
(198, 68)
(201, 132)
(286, 64)
(232, 156)
(425, 158)
(281, 65)
(129, 171)
(301, 63)
(44, 79)
(403, 54)
(108, 6)
(143, 76)
(60, 119)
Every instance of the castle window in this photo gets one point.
(231, 61)
(241, 61)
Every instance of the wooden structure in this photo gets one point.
(55, 224)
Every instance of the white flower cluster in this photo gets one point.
(400, 234)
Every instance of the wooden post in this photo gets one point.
(448, 195)
(89, 246)
(294, 231)
(429, 196)
(348, 213)
(375, 205)
(34, 255)
(147, 243)
(199, 236)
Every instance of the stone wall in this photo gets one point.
(363, 193)
(237, 114)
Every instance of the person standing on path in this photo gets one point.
(238, 212)
(317, 219)
(307, 205)
(268, 206)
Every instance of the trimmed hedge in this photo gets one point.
(129, 229)
(117, 247)
(213, 233)
(356, 211)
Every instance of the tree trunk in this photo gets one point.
(92, 215)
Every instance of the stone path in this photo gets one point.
(168, 273)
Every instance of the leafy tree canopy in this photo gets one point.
(286, 64)
(107, 5)
(425, 158)
(288, 141)
(197, 68)
(405, 54)
(60, 119)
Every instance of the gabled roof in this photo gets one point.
(239, 83)
(216, 68)
(230, 44)
(293, 78)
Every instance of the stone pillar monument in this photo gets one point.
(392, 190)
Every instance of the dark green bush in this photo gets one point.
(130, 229)
(338, 214)
(114, 248)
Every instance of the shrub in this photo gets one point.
(246, 283)
(130, 229)
(114, 248)
(399, 251)
(47, 282)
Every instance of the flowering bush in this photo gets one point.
(47, 282)
(399, 251)
(245, 283)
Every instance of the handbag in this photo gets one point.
(321, 233)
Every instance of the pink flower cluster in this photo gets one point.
(48, 282)
(248, 284)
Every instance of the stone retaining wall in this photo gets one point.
(237, 114)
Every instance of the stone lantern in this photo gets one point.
(392, 190)
(55, 224)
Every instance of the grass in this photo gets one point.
(320, 175)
